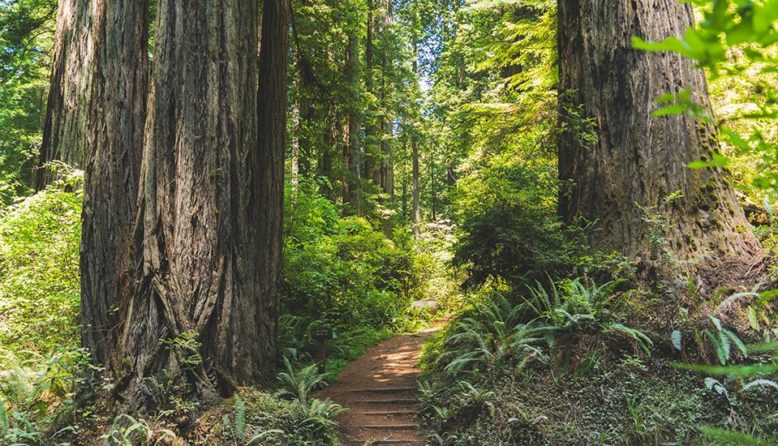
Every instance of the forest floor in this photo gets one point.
(381, 394)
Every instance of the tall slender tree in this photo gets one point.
(627, 167)
(270, 168)
(351, 195)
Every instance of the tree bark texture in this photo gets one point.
(199, 315)
(270, 167)
(112, 165)
(625, 177)
(65, 123)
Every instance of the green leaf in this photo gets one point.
(718, 160)
(670, 110)
(672, 44)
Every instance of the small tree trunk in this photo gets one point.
(351, 195)
(433, 191)
(631, 178)
(295, 171)
(415, 192)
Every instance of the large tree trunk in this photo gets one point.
(112, 161)
(65, 124)
(270, 181)
(201, 316)
(631, 178)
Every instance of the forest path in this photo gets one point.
(381, 395)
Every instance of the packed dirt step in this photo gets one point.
(381, 394)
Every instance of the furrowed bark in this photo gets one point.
(200, 315)
(65, 123)
(272, 146)
(112, 165)
(636, 163)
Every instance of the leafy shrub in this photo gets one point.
(299, 383)
(129, 431)
(508, 227)
(340, 271)
(39, 283)
(37, 393)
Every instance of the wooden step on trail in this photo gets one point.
(390, 413)
(385, 390)
(389, 427)
(389, 401)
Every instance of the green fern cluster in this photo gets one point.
(130, 431)
(34, 392)
(580, 307)
(574, 318)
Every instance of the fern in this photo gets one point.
(239, 426)
(645, 343)
(299, 383)
(4, 424)
(722, 340)
(267, 435)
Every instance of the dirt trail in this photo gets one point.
(379, 390)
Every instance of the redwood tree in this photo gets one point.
(65, 125)
(116, 113)
(625, 168)
(203, 314)
(269, 165)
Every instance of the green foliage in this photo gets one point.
(575, 322)
(721, 341)
(35, 393)
(26, 31)
(508, 227)
(299, 383)
(342, 271)
(272, 421)
(489, 335)
(187, 347)
(39, 284)
(580, 319)
(729, 438)
(129, 431)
